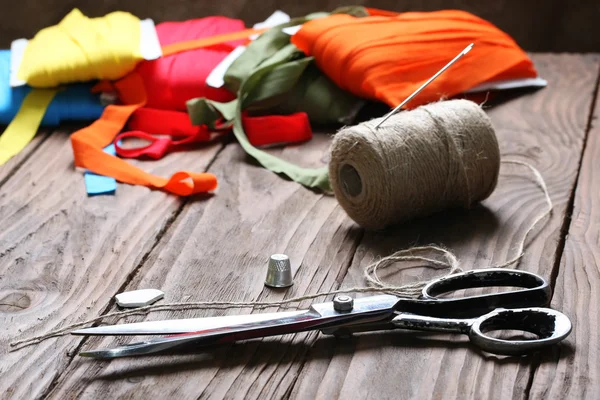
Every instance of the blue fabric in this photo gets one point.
(98, 184)
(75, 103)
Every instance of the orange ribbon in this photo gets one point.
(88, 143)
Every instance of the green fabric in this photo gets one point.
(309, 177)
(356, 11)
(320, 98)
(272, 76)
(209, 111)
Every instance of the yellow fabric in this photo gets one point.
(82, 49)
(25, 124)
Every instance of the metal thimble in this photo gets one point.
(279, 273)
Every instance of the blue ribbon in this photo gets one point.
(75, 103)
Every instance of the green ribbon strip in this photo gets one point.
(273, 76)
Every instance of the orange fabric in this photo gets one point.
(387, 56)
(88, 143)
(179, 47)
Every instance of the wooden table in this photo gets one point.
(63, 257)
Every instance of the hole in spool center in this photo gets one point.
(350, 179)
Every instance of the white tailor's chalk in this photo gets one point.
(291, 30)
(216, 77)
(139, 298)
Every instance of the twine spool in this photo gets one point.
(436, 157)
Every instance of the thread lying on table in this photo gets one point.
(370, 272)
(449, 261)
(439, 156)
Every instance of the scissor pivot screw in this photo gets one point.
(343, 303)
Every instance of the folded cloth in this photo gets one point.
(171, 81)
(74, 103)
(386, 56)
(82, 49)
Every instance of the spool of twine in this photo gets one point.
(439, 156)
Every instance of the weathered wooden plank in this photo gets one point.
(217, 250)
(64, 255)
(12, 165)
(573, 372)
(546, 129)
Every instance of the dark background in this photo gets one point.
(544, 25)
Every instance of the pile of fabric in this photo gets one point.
(178, 85)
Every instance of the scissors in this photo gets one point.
(516, 309)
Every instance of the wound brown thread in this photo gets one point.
(439, 156)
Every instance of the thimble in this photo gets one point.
(279, 273)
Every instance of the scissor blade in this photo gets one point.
(223, 334)
(319, 316)
(175, 326)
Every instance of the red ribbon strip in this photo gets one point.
(147, 123)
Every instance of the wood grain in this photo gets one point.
(218, 249)
(64, 255)
(574, 371)
(558, 25)
(545, 129)
(11, 166)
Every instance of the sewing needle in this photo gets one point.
(416, 92)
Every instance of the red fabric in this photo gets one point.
(277, 129)
(164, 122)
(88, 143)
(172, 80)
(177, 132)
(156, 77)
(158, 147)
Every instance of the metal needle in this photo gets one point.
(416, 92)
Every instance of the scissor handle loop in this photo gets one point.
(481, 278)
(549, 325)
(532, 291)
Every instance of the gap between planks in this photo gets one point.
(564, 228)
(312, 337)
(288, 393)
(21, 158)
(566, 225)
(163, 231)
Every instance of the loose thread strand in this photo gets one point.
(451, 262)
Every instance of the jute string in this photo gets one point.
(439, 156)
(432, 256)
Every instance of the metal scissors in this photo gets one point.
(516, 309)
